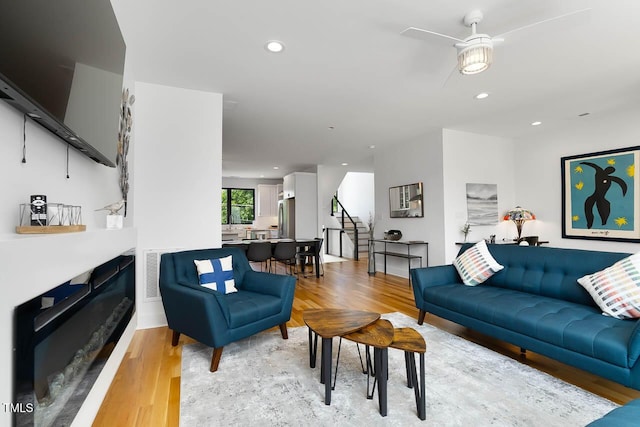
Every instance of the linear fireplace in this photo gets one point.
(63, 338)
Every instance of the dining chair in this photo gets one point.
(311, 252)
(285, 252)
(259, 252)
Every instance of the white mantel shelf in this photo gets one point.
(36, 263)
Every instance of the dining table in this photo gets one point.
(301, 243)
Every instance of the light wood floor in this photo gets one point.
(146, 389)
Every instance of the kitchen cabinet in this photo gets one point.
(267, 200)
(288, 186)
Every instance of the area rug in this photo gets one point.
(266, 381)
(326, 258)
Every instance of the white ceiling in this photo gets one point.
(346, 65)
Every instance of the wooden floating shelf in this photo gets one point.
(50, 229)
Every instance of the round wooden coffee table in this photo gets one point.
(329, 323)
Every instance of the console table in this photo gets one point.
(406, 255)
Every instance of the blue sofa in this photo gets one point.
(263, 300)
(624, 416)
(536, 303)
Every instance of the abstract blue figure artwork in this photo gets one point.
(600, 195)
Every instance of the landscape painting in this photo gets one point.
(482, 204)
(600, 195)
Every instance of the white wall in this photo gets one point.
(178, 148)
(481, 159)
(90, 184)
(228, 182)
(407, 163)
(328, 179)
(445, 161)
(357, 194)
(538, 170)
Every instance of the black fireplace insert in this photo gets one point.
(63, 337)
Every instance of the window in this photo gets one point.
(238, 205)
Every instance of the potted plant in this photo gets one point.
(466, 228)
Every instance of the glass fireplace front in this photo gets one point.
(64, 337)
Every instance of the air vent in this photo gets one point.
(152, 269)
(152, 272)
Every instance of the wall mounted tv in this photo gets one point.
(61, 63)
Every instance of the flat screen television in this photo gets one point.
(61, 63)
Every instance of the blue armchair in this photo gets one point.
(263, 300)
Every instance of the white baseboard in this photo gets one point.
(152, 320)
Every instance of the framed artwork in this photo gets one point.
(600, 195)
(482, 204)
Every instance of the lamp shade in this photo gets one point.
(519, 215)
(476, 56)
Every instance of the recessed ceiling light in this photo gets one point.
(482, 95)
(332, 127)
(274, 46)
(536, 123)
(276, 167)
(345, 164)
(372, 146)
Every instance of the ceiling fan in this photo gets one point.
(475, 52)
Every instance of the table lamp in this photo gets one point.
(519, 215)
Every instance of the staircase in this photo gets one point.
(363, 235)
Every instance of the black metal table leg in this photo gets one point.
(371, 372)
(419, 385)
(326, 368)
(380, 356)
(422, 407)
(407, 363)
(313, 348)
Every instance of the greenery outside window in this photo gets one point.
(334, 204)
(238, 205)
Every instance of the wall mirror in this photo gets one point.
(405, 201)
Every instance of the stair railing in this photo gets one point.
(344, 216)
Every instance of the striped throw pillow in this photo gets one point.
(217, 274)
(616, 289)
(475, 265)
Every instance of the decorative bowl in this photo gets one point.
(392, 235)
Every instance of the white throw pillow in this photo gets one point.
(616, 289)
(217, 274)
(475, 265)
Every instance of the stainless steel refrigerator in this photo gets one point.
(287, 219)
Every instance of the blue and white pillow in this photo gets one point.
(217, 274)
